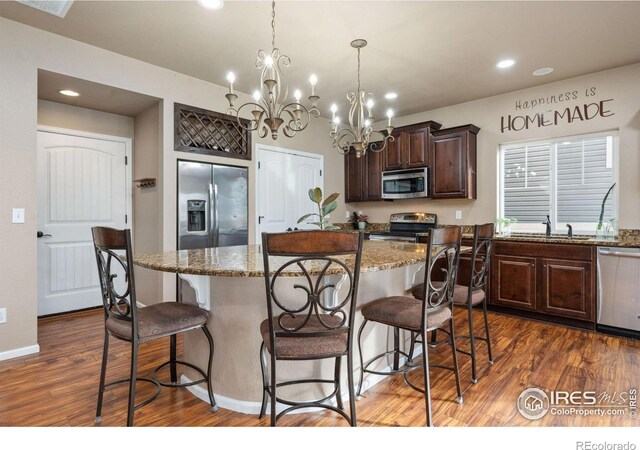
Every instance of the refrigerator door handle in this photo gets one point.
(210, 218)
(216, 223)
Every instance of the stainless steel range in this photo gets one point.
(405, 227)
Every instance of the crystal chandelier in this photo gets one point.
(272, 106)
(358, 133)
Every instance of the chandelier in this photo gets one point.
(272, 107)
(358, 133)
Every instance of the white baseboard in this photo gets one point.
(247, 407)
(18, 352)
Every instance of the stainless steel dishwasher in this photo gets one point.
(619, 290)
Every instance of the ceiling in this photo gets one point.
(433, 54)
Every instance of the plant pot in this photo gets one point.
(362, 225)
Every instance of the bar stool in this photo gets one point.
(420, 316)
(123, 319)
(316, 324)
(473, 293)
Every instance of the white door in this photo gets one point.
(284, 180)
(82, 182)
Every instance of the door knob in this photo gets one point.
(40, 234)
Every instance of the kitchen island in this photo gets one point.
(229, 281)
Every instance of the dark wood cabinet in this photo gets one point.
(453, 163)
(514, 282)
(362, 177)
(567, 288)
(552, 280)
(410, 146)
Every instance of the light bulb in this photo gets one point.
(389, 113)
(367, 122)
(298, 95)
(211, 4)
(370, 103)
(256, 95)
(334, 108)
(313, 79)
(231, 78)
(336, 120)
(268, 61)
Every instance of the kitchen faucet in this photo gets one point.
(569, 231)
(548, 224)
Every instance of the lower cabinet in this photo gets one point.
(515, 281)
(555, 280)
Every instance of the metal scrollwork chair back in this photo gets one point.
(124, 321)
(311, 280)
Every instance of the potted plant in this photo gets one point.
(503, 225)
(358, 220)
(325, 207)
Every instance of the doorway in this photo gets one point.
(84, 180)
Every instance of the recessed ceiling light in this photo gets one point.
(505, 63)
(211, 4)
(543, 71)
(69, 93)
(390, 95)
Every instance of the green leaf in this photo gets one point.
(315, 223)
(326, 209)
(330, 198)
(315, 195)
(306, 216)
(602, 208)
(331, 228)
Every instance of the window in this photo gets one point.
(565, 178)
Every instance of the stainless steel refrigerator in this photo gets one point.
(212, 205)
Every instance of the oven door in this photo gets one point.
(405, 184)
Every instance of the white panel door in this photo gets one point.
(82, 182)
(284, 180)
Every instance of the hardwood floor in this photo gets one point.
(58, 386)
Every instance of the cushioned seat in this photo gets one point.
(459, 293)
(162, 319)
(403, 312)
(304, 346)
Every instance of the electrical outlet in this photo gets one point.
(3, 315)
(17, 215)
(458, 215)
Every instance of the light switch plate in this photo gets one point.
(458, 214)
(17, 215)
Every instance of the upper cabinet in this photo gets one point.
(453, 163)
(410, 146)
(363, 176)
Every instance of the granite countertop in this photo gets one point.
(246, 260)
(623, 241)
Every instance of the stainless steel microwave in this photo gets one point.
(410, 183)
